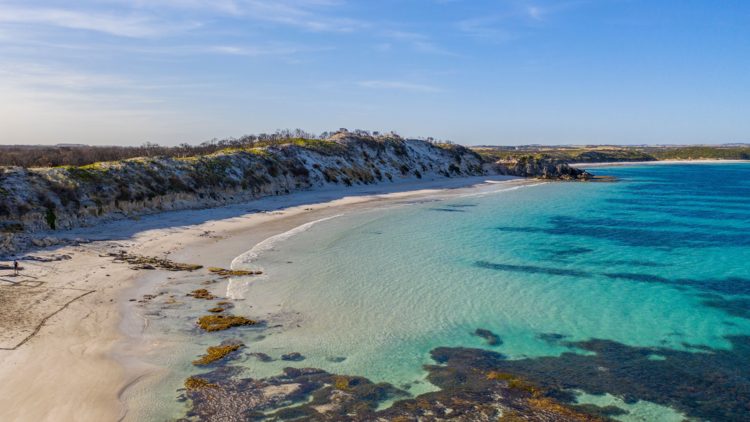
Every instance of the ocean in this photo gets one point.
(654, 265)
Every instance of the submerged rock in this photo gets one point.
(261, 357)
(295, 357)
(492, 338)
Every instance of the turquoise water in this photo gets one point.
(659, 259)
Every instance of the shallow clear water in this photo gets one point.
(659, 259)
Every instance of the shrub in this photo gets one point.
(50, 218)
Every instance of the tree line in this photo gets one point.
(61, 155)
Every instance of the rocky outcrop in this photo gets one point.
(34, 200)
(540, 168)
(43, 199)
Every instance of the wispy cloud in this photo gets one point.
(431, 48)
(402, 34)
(133, 25)
(399, 85)
(314, 15)
(141, 19)
(485, 27)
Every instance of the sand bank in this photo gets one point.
(70, 339)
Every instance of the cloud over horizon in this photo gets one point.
(477, 72)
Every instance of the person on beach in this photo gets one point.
(15, 267)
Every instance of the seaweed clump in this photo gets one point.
(215, 353)
(202, 294)
(151, 263)
(197, 384)
(222, 271)
(222, 322)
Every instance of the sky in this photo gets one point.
(497, 72)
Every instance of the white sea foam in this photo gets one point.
(238, 286)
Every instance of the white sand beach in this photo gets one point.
(70, 341)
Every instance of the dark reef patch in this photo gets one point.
(710, 384)
(633, 263)
(481, 385)
(492, 338)
(293, 357)
(565, 252)
(551, 338)
(735, 307)
(531, 269)
(636, 233)
(730, 285)
(261, 357)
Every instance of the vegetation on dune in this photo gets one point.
(613, 154)
(568, 156)
(80, 156)
(695, 153)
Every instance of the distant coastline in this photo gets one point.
(661, 162)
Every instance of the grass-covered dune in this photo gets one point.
(36, 199)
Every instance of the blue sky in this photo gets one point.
(503, 72)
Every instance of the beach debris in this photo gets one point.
(261, 356)
(222, 322)
(215, 353)
(222, 271)
(198, 384)
(492, 338)
(294, 357)
(209, 282)
(221, 307)
(202, 294)
(151, 263)
(51, 258)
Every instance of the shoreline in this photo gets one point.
(653, 163)
(85, 356)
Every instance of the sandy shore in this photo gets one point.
(653, 163)
(70, 340)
